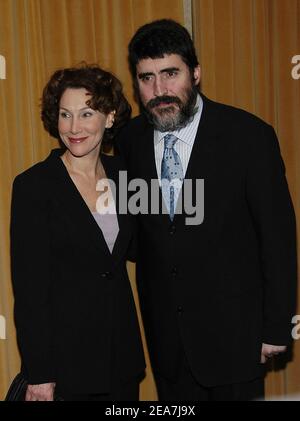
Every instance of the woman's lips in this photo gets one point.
(77, 139)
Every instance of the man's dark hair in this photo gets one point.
(158, 38)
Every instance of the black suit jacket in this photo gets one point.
(74, 310)
(218, 290)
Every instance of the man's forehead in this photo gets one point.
(158, 64)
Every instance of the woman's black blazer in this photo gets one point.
(74, 309)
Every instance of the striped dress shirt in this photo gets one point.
(183, 146)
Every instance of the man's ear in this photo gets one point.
(197, 75)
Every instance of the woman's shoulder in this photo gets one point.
(32, 175)
(30, 185)
(36, 175)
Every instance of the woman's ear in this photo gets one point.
(110, 119)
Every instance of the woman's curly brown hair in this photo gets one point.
(106, 96)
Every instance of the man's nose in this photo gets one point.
(160, 87)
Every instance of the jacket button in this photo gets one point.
(172, 229)
(174, 271)
(106, 275)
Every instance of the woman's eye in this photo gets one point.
(146, 78)
(63, 114)
(87, 114)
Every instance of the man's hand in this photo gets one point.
(268, 351)
(40, 392)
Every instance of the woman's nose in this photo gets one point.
(75, 126)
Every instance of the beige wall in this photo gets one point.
(245, 49)
(36, 38)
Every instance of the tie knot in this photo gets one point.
(170, 141)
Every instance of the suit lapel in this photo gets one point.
(202, 156)
(125, 229)
(75, 207)
(202, 162)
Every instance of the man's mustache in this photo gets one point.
(163, 100)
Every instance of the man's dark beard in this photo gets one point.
(166, 120)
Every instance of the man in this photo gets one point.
(217, 296)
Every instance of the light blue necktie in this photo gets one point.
(171, 173)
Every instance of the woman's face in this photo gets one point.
(80, 127)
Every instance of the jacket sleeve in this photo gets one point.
(31, 277)
(274, 219)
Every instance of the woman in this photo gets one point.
(76, 322)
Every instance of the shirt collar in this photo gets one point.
(185, 133)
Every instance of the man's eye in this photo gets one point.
(171, 74)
